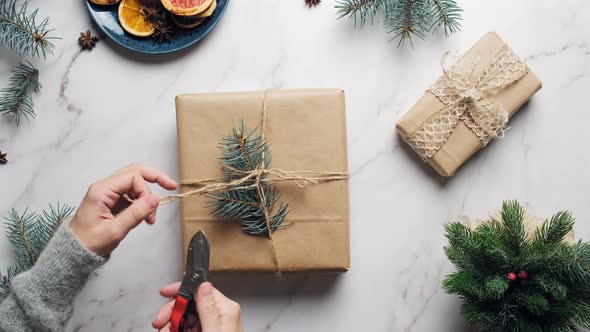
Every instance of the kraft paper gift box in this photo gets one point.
(306, 131)
(486, 67)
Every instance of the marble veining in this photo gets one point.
(103, 109)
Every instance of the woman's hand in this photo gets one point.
(104, 217)
(216, 312)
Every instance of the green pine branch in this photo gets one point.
(21, 32)
(17, 99)
(243, 152)
(508, 281)
(29, 233)
(404, 18)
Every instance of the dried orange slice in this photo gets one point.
(133, 20)
(186, 7)
(209, 11)
(104, 2)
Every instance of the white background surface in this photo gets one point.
(101, 110)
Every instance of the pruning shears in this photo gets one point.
(197, 268)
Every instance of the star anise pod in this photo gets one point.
(87, 40)
(312, 3)
(163, 33)
(3, 159)
(153, 15)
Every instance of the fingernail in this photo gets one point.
(206, 288)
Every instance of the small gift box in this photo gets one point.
(469, 105)
(306, 131)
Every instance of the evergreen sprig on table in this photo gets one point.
(514, 282)
(405, 18)
(244, 152)
(22, 32)
(29, 233)
(17, 99)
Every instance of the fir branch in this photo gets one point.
(244, 152)
(496, 286)
(448, 15)
(20, 31)
(19, 228)
(554, 230)
(29, 234)
(404, 18)
(359, 10)
(47, 224)
(16, 99)
(513, 220)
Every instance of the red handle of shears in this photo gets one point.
(178, 313)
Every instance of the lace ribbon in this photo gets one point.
(468, 102)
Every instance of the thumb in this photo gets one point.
(137, 212)
(207, 308)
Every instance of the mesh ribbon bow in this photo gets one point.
(468, 102)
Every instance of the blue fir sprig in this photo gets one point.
(29, 233)
(404, 18)
(244, 152)
(17, 99)
(21, 32)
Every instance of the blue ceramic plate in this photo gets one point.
(107, 19)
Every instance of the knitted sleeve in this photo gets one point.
(42, 298)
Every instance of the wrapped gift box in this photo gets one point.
(306, 131)
(447, 139)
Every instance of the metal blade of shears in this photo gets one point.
(197, 265)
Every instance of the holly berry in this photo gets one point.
(511, 276)
(522, 274)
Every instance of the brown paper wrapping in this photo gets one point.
(463, 143)
(306, 130)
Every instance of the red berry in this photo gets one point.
(511, 276)
(522, 274)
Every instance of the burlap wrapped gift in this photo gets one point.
(469, 105)
(306, 131)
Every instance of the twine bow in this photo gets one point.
(261, 175)
(468, 102)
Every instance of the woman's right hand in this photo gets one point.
(216, 312)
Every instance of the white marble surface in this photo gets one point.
(100, 110)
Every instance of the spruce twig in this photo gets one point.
(404, 18)
(29, 234)
(243, 152)
(20, 31)
(16, 99)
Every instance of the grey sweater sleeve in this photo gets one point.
(42, 298)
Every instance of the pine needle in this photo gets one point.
(17, 99)
(20, 31)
